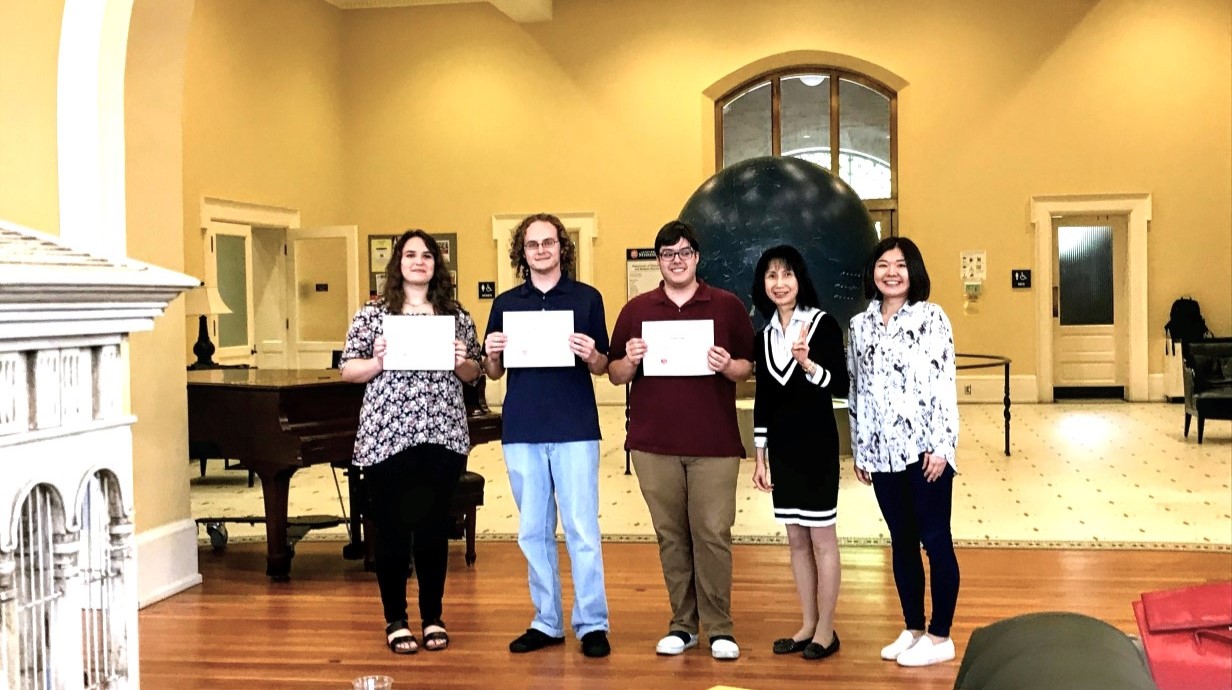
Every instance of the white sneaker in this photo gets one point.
(674, 644)
(925, 652)
(906, 639)
(725, 649)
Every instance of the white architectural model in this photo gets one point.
(68, 597)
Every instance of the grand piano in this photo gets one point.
(275, 421)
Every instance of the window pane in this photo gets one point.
(1084, 257)
(805, 111)
(864, 140)
(233, 287)
(746, 125)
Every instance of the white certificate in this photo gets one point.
(677, 348)
(418, 342)
(538, 339)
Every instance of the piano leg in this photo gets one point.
(354, 550)
(275, 487)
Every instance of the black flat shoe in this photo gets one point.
(815, 651)
(533, 640)
(788, 645)
(595, 644)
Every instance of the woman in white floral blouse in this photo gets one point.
(412, 439)
(904, 429)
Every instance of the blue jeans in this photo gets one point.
(544, 476)
(917, 512)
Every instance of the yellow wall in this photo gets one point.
(262, 111)
(154, 76)
(455, 113)
(29, 51)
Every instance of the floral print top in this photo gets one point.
(903, 399)
(407, 408)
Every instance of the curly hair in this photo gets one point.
(440, 286)
(517, 246)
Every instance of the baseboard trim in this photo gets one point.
(166, 561)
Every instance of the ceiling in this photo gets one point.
(521, 11)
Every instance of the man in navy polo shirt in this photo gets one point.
(551, 438)
(685, 441)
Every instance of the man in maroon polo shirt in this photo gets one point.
(685, 441)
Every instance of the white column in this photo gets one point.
(90, 124)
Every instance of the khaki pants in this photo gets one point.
(692, 504)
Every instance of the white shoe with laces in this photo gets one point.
(925, 652)
(906, 639)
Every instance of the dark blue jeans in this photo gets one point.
(917, 513)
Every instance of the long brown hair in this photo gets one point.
(440, 286)
(517, 255)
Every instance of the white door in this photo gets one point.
(1088, 305)
(322, 292)
(269, 297)
(228, 266)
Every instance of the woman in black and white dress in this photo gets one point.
(800, 369)
(412, 439)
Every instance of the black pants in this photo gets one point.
(917, 512)
(409, 498)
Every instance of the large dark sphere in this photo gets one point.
(759, 203)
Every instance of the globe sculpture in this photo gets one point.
(759, 203)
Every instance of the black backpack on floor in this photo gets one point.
(1185, 322)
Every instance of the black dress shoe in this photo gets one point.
(815, 651)
(595, 644)
(532, 640)
(788, 645)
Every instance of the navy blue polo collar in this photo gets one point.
(564, 286)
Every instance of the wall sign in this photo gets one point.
(1020, 278)
(487, 289)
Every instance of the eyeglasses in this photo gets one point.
(684, 254)
(533, 246)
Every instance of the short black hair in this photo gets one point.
(673, 232)
(789, 256)
(917, 275)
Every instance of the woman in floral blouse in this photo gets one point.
(904, 429)
(412, 439)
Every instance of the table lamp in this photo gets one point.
(202, 302)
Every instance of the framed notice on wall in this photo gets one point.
(641, 271)
(380, 248)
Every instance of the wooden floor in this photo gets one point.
(324, 627)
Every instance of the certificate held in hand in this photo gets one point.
(418, 343)
(538, 339)
(677, 348)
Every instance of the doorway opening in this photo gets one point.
(1136, 208)
(291, 291)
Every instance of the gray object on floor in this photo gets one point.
(1052, 651)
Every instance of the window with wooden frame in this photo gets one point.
(841, 120)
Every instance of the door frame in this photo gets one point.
(587, 226)
(253, 215)
(1138, 208)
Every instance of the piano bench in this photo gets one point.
(466, 499)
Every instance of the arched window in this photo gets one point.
(842, 120)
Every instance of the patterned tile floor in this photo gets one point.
(1095, 475)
